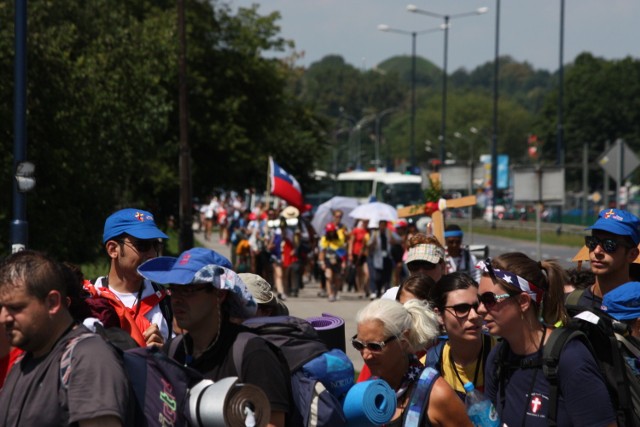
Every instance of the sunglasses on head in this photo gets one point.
(489, 299)
(375, 347)
(143, 245)
(607, 245)
(463, 309)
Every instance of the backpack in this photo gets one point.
(616, 356)
(159, 385)
(614, 353)
(319, 378)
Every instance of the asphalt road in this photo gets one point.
(308, 304)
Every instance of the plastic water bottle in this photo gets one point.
(480, 409)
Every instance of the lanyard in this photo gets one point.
(478, 363)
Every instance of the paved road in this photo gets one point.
(308, 304)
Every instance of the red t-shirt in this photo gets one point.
(359, 240)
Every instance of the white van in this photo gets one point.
(393, 188)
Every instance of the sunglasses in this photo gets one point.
(463, 309)
(375, 347)
(187, 290)
(143, 245)
(608, 245)
(489, 299)
(415, 266)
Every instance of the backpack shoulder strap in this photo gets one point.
(556, 342)
(165, 304)
(574, 297)
(434, 355)
(67, 356)
(238, 349)
(419, 400)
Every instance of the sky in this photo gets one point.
(529, 30)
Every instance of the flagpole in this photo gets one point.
(269, 181)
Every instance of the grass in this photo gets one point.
(547, 237)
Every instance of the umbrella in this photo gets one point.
(375, 211)
(324, 213)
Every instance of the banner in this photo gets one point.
(284, 185)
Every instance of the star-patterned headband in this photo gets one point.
(512, 279)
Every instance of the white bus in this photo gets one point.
(393, 188)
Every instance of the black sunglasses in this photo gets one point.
(188, 290)
(415, 266)
(463, 309)
(608, 245)
(144, 245)
(489, 299)
(375, 347)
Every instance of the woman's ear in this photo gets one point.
(524, 301)
(436, 310)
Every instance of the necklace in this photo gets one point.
(478, 363)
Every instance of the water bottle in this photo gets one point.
(480, 409)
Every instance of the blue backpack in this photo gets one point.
(320, 378)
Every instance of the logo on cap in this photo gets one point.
(139, 216)
(185, 259)
(612, 214)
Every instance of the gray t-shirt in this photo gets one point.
(33, 395)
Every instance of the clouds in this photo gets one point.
(529, 30)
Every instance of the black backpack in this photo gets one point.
(316, 392)
(615, 354)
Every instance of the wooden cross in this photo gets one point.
(437, 219)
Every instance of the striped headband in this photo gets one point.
(535, 292)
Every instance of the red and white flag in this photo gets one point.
(284, 185)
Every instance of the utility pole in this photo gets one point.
(186, 214)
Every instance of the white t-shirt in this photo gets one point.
(131, 299)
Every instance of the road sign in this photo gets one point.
(611, 162)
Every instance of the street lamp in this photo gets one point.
(357, 128)
(379, 117)
(413, 34)
(459, 135)
(414, 9)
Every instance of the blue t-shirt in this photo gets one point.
(583, 399)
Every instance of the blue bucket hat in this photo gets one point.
(618, 222)
(134, 222)
(623, 303)
(201, 265)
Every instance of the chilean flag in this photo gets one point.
(284, 185)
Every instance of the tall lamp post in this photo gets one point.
(413, 34)
(494, 136)
(379, 118)
(414, 9)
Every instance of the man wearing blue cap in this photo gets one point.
(459, 258)
(613, 246)
(205, 295)
(132, 237)
(623, 304)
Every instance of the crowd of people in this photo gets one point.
(483, 322)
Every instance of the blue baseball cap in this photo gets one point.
(618, 222)
(623, 303)
(134, 222)
(201, 265)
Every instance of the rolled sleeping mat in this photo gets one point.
(330, 328)
(227, 403)
(371, 402)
